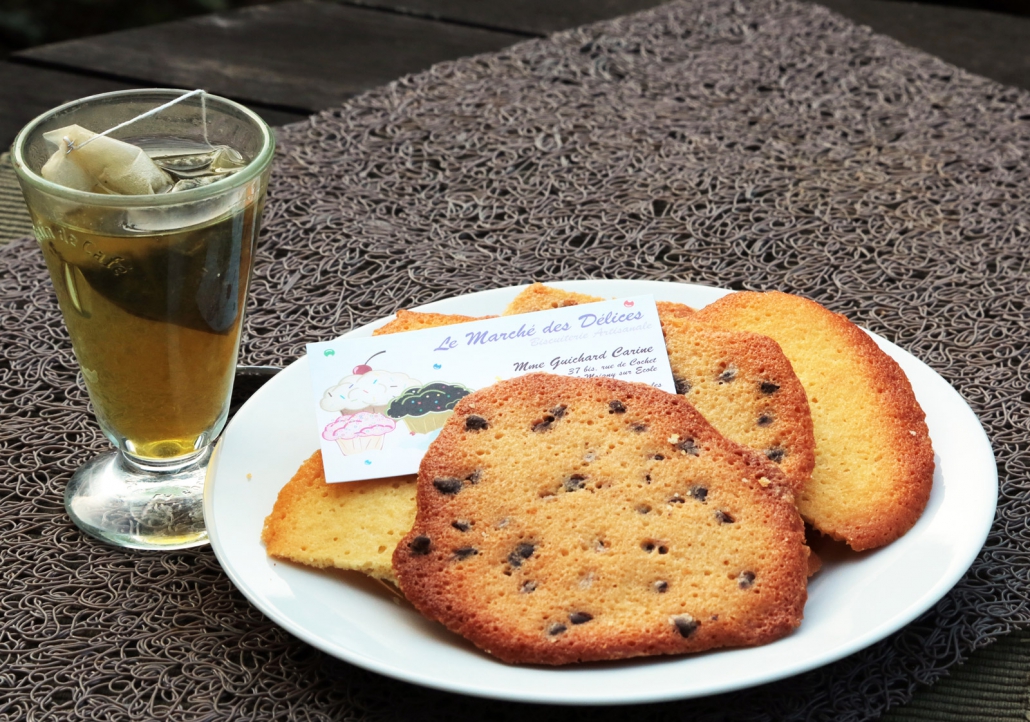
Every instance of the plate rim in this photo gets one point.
(934, 593)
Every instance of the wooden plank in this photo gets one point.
(987, 43)
(535, 17)
(26, 92)
(297, 55)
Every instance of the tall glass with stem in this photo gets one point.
(152, 290)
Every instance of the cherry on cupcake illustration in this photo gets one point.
(362, 369)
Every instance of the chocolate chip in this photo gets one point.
(647, 478)
(419, 545)
(580, 617)
(660, 586)
(528, 587)
(676, 499)
(522, 552)
(559, 411)
(687, 446)
(544, 424)
(556, 629)
(639, 428)
(648, 546)
(765, 420)
(663, 549)
(575, 482)
(698, 492)
(723, 517)
(746, 580)
(685, 625)
(447, 485)
(644, 509)
(682, 385)
(728, 375)
(465, 553)
(658, 457)
(475, 476)
(476, 423)
(768, 387)
(616, 407)
(461, 525)
(776, 453)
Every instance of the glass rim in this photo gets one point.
(254, 168)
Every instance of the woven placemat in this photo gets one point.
(764, 144)
(14, 218)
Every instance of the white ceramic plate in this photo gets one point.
(854, 601)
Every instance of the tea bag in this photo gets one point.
(104, 165)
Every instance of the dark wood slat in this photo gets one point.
(299, 55)
(537, 17)
(26, 92)
(990, 44)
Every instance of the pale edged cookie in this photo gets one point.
(564, 520)
(873, 457)
(417, 320)
(354, 525)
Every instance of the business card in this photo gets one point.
(380, 401)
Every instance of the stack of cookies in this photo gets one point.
(558, 520)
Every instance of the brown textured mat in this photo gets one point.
(764, 144)
(992, 686)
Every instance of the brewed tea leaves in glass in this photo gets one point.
(103, 165)
(195, 168)
(217, 160)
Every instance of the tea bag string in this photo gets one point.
(203, 119)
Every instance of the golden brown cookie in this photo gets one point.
(354, 525)
(744, 385)
(564, 520)
(741, 382)
(539, 297)
(416, 320)
(668, 309)
(873, 459)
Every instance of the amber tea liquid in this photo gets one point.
(155, 324)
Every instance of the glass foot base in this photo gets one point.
(121, 504)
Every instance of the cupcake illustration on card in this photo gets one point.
(366, 390)
(358, 433)
(360, 399)
(424, 409)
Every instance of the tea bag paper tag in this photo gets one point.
(104, 165)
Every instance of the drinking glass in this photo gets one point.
(152, 290)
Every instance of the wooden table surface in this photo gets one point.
(289, 59)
